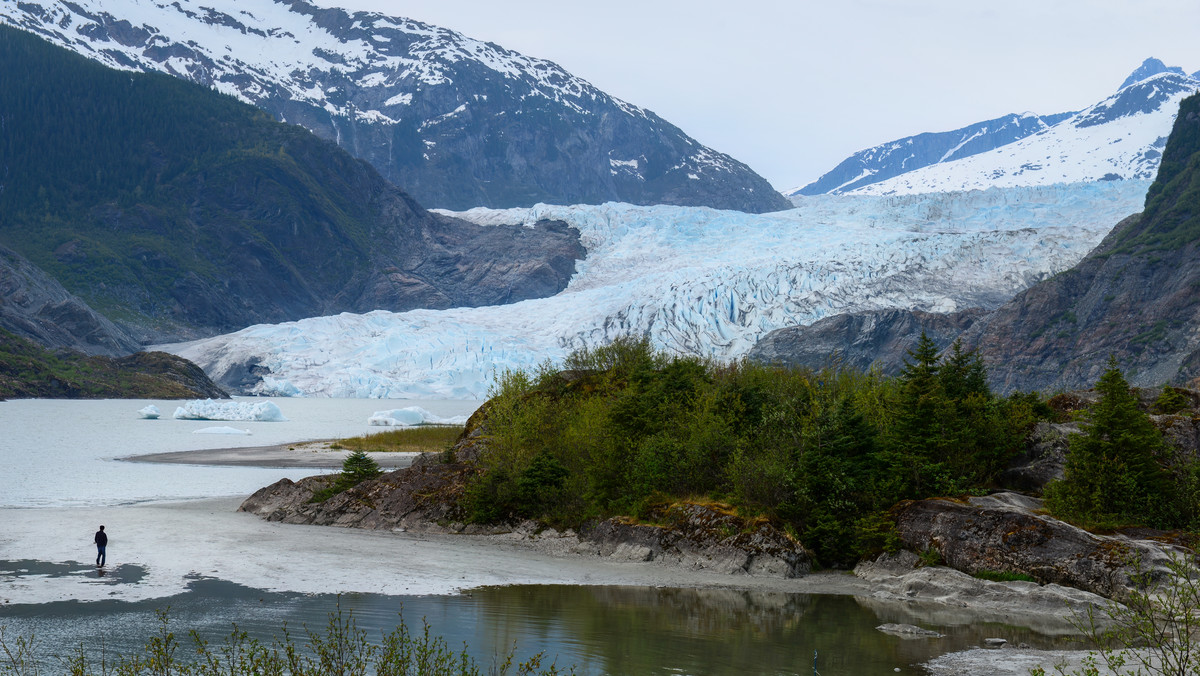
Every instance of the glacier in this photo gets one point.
(207, 409)
(695, 281)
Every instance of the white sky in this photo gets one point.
(792, 87)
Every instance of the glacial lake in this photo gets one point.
(60, 457)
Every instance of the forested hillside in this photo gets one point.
(179, 211)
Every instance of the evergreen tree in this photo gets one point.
(916, 442)
(1112, 474)
(357, 468)
(963, 374)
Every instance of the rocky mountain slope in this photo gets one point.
(182, 212)
(861, 339)
(1121, 137)
(1134, 297)
(37, 307)
(456, 122)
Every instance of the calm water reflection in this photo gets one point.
(600, 630)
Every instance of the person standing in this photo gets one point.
(101, 541)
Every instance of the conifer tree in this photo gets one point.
(1112, 474)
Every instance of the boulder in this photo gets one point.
(1005, 533)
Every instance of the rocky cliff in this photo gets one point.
(1134, 297)
(34, 306)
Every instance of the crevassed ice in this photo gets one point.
(696, 281)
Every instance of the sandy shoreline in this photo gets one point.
(307, 454)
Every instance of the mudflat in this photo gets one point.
(313, 454)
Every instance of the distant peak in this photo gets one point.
(1149, 68)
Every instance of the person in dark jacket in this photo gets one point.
(101, 542)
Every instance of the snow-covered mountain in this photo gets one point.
(454, 121)
(1121, 137)
(695, 280)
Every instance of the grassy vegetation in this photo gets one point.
(419, 439)
(342, 648)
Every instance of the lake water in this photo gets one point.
(61, 457)
(60, 453)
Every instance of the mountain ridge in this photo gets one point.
(1120, 137)
(456, 122)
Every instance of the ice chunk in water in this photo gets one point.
(208, 409)
(412, 415)
(221, 430)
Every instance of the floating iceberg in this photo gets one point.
(151, 412)
(208, 409)
(412, 415)
(221, 430)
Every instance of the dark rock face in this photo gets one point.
(861, 339)
(456, 122)
(1043, 460)
(701, 537)
(413, 498)
(172, 368)
(1001, 533)
(35, 306)
(1134, 296)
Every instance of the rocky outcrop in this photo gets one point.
(425, 497)
(1133, 297)
(420, 498)
(708, 537)
(35, 306)
(858, 340)
(28, 370)
(1005, 533)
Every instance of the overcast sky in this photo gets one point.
(793, 87)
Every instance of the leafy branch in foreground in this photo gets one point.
(342, 649)
(1156, 630)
